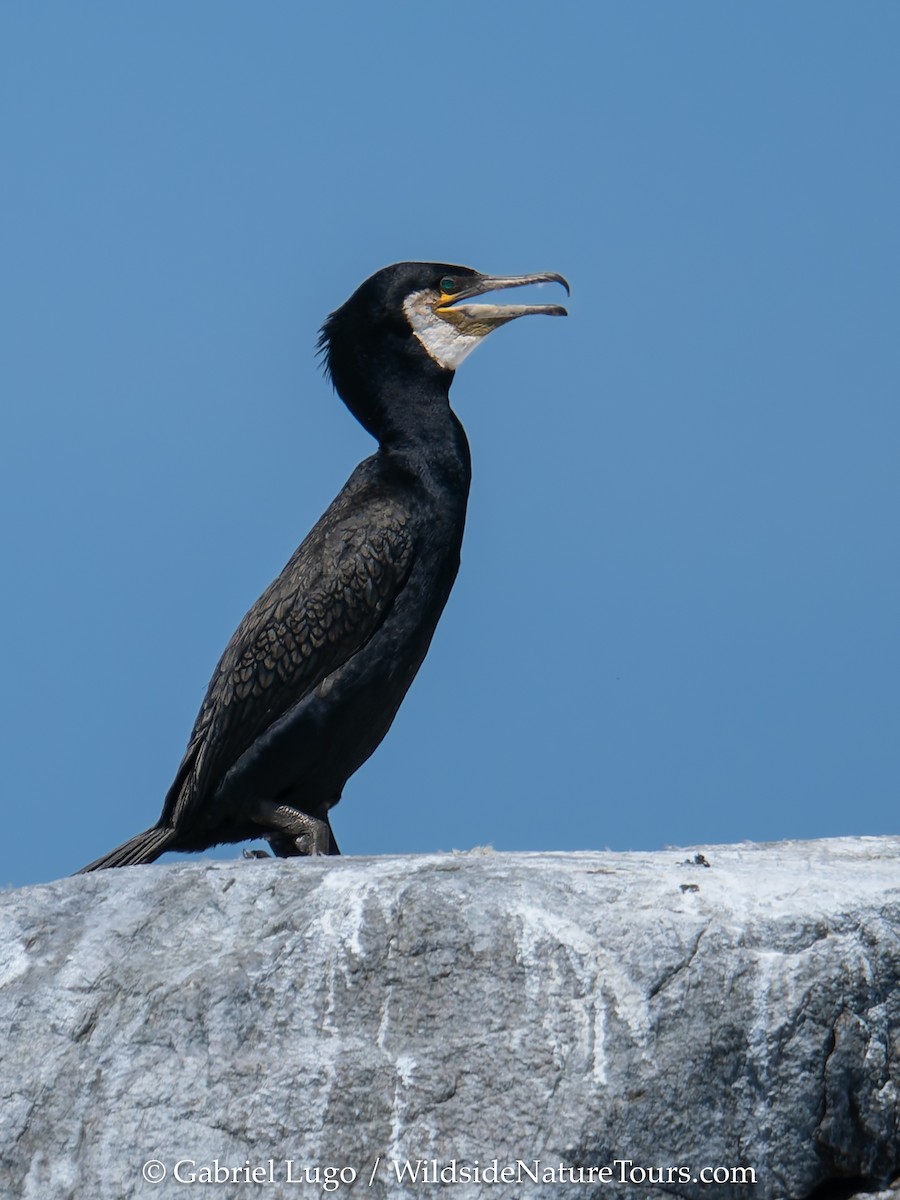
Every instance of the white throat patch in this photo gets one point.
(445, 343)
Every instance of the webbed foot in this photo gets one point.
(294, 832)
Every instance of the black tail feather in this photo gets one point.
(143, 848)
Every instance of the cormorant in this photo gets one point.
(313, 677)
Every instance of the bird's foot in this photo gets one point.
(294, 832)
(257, 854)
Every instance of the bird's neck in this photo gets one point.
(434, 448)
(415, 425)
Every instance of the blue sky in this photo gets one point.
(677, 615)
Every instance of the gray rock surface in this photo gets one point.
(564, 1010)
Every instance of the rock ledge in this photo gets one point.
(438, 1013)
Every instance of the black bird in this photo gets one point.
(313, 677)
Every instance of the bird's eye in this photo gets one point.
(449, 285)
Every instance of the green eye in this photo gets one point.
(449, 286)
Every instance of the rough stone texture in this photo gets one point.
(570, 1008)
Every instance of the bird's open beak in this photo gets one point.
(479, 319)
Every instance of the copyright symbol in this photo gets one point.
(154, 1171)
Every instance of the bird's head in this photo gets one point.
(415, 321)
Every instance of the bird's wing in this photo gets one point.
(327, 603)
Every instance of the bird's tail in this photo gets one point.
(143, 848)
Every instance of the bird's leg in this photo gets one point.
(294, 832)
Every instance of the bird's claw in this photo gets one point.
(292, 832)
